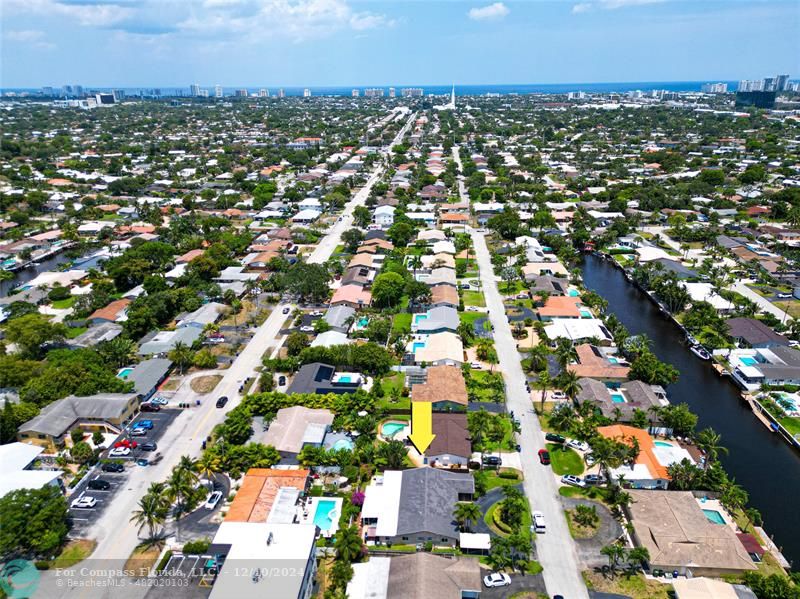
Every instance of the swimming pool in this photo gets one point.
(574, 293)
(345, 379)
(322, 516)
(342, 444)
(714, 516)
(618, 398)
(662, 444)
(613, 361)
(418, 318)
(390, 429)
(748, 361)
(585, 313)
(362, 322)
(418, 345)
(123, 374)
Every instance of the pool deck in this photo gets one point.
(306, 513)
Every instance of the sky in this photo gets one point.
(271, 43)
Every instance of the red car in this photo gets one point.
(544, 456)
(126, 443)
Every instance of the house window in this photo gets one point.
(42, 436)
(404, 538)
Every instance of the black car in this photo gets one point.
(150, 407)
(555, 438)
(149, 446)
(112, 467)
(222, 401)
(98, 484)
(492, 460)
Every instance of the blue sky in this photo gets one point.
(379, 42)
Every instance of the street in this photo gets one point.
(555, 549)
(116, 536)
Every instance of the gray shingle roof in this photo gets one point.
(57, 418)
(427, 499)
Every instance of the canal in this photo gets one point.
(31, 272)
(759, 460)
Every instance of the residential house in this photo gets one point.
(205, 315)
(259, 490)
(593, 363)
(321, 379)
(579, 330)
(532, 270)
(116, 311)
(621, 404)
(295, 427)
(778, 365)
(749, 332)
(436, 320)
(444, 388)
(562, 306)
(340, 318)
(17, 471)
(146, 376)
(437, 349)
(553, 286)
(414, 506)
(354, 296)
(444, 295)
(383, 216)
(161, 342)
(451, 445)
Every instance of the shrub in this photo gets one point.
(197, 547)
(509, 474)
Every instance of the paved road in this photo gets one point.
(763, 303)
(117, 536)
(556, 548)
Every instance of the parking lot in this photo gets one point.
(84, 518)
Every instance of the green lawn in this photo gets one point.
(474, 298)
(75, 331)
(470, 317)
(493, 480)
(396, 381)
(565, 462)
(401, 324)
(64, 304)
(483, 385)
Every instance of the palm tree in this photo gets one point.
(566, 353)
(348, 544)
(711, 443)
(466, 513)
(538, 357)
(415, 263)
(478, 425)
(562, 417)
(570, 385)
(392, 454)
(118, 352)
(544, 382)
(638, 556)
(180, 486)
(152, 512)
(208, 465)
(181, 354)
(615, 553)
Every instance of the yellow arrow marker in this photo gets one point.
(421, 425)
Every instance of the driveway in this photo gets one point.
(556, 549)
(492, 496)
(519, 583)
(608, 531)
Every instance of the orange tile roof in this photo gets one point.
(647, 457)
(561, 306)
(111, 311)
(189, 256)
(253, 501)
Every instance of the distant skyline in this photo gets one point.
(335, 43)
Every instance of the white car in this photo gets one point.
(215, 340)
(138, 432)
(119, 452)
(213, 500)
(307, 329)
(84, 503)
(496, 579)
(316, 313)
(538, 525)
(579, 445)
(571, 479)
(476, 366)
(558, 396)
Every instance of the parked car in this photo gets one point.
(98, 484)
(589, 458)
(158, 401)
(286, 310)
(784, 295)
(538, 525)
(150, 407)
(118, 452)
(492, 460)
(149, 446)
(83, 503)
(138, 432)
(316, 313)
(222, 401)
(142, 462)
(594, 479)
(544, 457)
(558, 396)
(215, 340)
(555, 438)
(571, 479)
(307, 329)
(148, 424)
(496, 579)
(213, 500)
(476, 365)
(112, 467)
(579, 445)
(126, 443)
(281, 380)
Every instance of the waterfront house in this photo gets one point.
(594, 364)
(680, 536)
(414, 506)
(621, 404)
(579, 330)
(778, 365)
(749, 332)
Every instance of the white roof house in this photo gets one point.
(577, 328)
(14, 461)
(704, 292)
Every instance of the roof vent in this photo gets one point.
(270, 539)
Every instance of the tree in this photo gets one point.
(646, 367)
(180, 486)
(569, 384)
(341, 573)
(392, 455)
(182, 355)
(97, 438)
(238, 425)
(466, 513)
(152, 512)
(678, 417)
(387, 289)
(118, 352)
(296, 342)
(348, 544)
(615, 554)
(586, 515)
(638, 557)
(30, 332)
(362, 216)
(352, 238)
(400, 233)
(35, 522)
(543, 383)
(308, 281)
(711, 443)
(81, 452)
(507, 224)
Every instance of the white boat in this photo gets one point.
(700, 352)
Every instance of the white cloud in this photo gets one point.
(582, 7)
(493, 12)
(610, 5)
(363, 21)
(91, 14)
(32, 37)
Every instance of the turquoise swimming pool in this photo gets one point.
(390, 429)
(662, 444)
(322, 516)
(123, 374)
(618, 398)
(613, 361)
(574, 293)
(362, 322)
(418, 345)
(586, 313)
(748, 361)
(418, 318)
(345, 379)
(714, 516)
(342, 444)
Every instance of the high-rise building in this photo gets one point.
(48, 91)
(203, 93)
(355, 93)
(194, 90)
(714, 88)
(392, 92)
(750, 85)
(240, 93)
(306, 93)
(373, 92)
(281, 93)
(77, 90)
(66, 90)
(411, 92)
(782, 82)
(217, 91)
(263, 93)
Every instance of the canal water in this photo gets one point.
(31, 272)
(758, 460)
